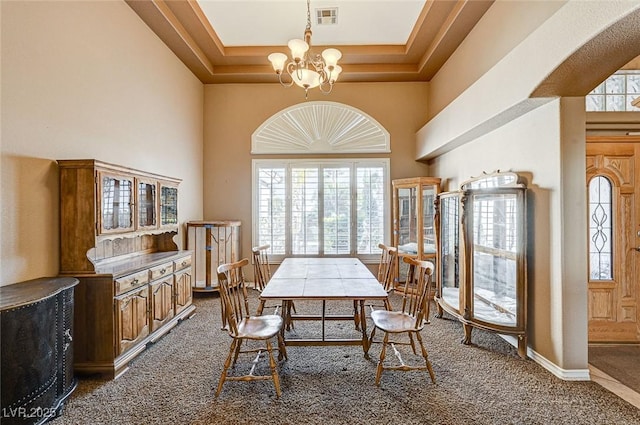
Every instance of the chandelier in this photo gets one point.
(306, 69)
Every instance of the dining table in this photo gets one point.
(323, 279)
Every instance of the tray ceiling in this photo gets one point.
(228, 41)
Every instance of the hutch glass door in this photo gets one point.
(116, 203)
(168, 206)
(147, 204)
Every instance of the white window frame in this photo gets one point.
(288, 164)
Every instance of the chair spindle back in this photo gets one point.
(387, 266)
(261, 269)
(234, 293)
(417, 290)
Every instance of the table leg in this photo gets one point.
(363, 328)
(356, 315)
(324, 307)
(286, 314)
(290, 307)
(285, 318)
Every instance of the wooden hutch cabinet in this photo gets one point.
(482, 255)
(117, 230)
(414, 221)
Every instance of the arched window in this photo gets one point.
(320, 128)
(600, 229)
(310, 200)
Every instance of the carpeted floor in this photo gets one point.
(619, 362)
(173, 382)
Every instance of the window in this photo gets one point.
(600, 242)
(616, 93)
(321, 208)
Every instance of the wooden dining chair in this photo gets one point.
(410, 320)
(386, 277)
(387, 270)
(242, 326)
(261, 268)
(262, 275)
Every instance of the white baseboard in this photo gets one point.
(564, 374)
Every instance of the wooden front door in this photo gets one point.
(613, 190)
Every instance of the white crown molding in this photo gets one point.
(320, 128)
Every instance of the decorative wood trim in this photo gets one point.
(185, 29)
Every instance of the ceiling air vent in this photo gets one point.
(327, 16)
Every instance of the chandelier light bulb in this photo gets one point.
(333, 74)
(331, 57)
(298, 49)
(306, 78)
(277, 61)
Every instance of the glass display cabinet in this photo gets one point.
(482, 256)
(414, 219)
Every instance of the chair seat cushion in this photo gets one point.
(260, 327)
(393, 321)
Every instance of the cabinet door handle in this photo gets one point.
(163, 271)
(134, 281)
(67, 334)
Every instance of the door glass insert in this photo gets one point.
(600, 242)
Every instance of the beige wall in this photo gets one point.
(86, 80)
(530, 146)
(234, 112)
(543, 138)
(475, 56)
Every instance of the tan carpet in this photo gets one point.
(486, 383)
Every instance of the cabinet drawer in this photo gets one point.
(182, 263)
(160, 271)
(125, 283)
